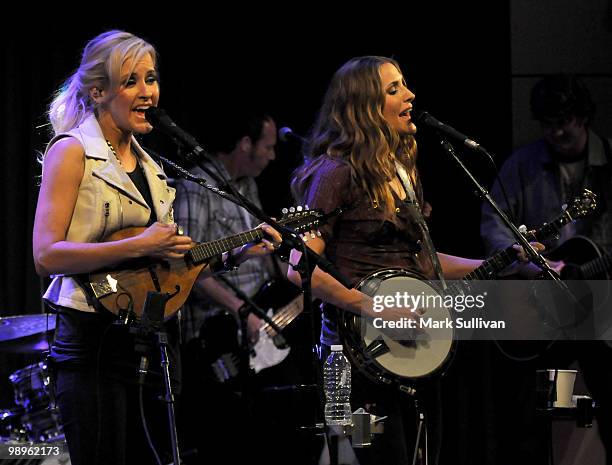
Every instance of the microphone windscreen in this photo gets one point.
(419, 116)
(284, 134)
(154, 115)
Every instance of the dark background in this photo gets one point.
(211, 64)
(456, 57)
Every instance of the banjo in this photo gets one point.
(387, 360)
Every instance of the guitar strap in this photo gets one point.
(430, 250)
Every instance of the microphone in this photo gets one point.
(160, 120)
(422, 117)
(285, 134)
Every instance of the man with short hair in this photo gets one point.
(217, 417)
(542, 176)
(242, 149)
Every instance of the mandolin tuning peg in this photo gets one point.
(292, 209)
(306, 207)
(284, 211)
(299, 208)
(318, 233)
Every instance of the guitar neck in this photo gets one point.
(286, 315)
(549, 229)
(206, 250)
(301, 222)
(493, 265)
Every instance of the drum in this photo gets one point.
(32, 386)
(11, 428)
(34, 394)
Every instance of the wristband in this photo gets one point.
(230, 262)
(218, 265)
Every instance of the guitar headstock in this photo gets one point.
(581, 206)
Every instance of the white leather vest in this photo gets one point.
(107, 201)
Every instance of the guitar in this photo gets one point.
(219, 339)
(548, 310)
(583, 259)
(388, 361)
(585, 273)
(124, 289)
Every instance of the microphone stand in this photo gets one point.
(533, 254)
(151, 324)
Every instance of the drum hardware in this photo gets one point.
(26, 333)
(11, 426)
(34, 418)
(38, 417)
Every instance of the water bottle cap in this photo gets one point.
(336, 348)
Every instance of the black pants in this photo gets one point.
(95, 365)
(102, 422)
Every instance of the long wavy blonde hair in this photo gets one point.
(350, 126)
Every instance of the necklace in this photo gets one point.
(110, 146)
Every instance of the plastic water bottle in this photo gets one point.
(337, 379)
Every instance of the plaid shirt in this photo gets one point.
(206, 216)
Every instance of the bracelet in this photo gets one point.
(218, 265)
(230, 263)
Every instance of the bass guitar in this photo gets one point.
(219, 336)
(123, 290)
(386, 360)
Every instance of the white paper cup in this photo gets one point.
(562, 386)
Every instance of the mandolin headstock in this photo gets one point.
(303, 221)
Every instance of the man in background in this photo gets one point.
(227, 412)
(539, 178)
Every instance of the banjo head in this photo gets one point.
(385, 359)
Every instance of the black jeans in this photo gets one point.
(101, 419)
(95, 366)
